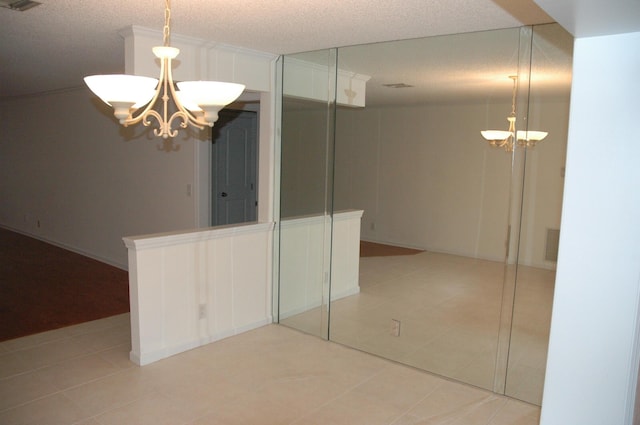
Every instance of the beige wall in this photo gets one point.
(425, 178)
(66, 164)
(70, 175)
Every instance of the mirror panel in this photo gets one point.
(414, 161)
(547, 110)
(306, 176)
(453, 274)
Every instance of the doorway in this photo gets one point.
(234, 160)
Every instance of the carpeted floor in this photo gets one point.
(44, 287)
(372, 249)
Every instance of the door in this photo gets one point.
(234, 152)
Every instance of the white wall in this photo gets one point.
(66, 164)
(302, 244)
(72, 176)
(544, 181)
(593, 356)
(191, 288)
(425, 178)
(304, 162)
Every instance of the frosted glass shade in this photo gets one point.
(210, 96)
(122, 92)
(165, 52)
(495, 134)
(187, 103)
(132, 89)
(535, 136)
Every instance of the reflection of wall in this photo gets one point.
(426, 179)
(544, 182)
(305, 79)
(304, 152)
(302, 243)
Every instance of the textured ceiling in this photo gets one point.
(469, 67)
(52, 46)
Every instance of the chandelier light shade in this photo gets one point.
(124, 93)
(530, 138)
(209, 96)
(505, 139)
(196, 102)
(495, 134)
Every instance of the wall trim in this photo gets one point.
(159, 240)
(153, 356)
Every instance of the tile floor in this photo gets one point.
(272, 375)
(449, 308)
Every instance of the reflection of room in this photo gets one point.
(426, 179)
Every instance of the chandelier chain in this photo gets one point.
(166, 31)
(513, 95)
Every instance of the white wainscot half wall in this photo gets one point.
(303, 262)
(189, 289)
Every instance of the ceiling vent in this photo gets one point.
(19, 5)
(397, 85)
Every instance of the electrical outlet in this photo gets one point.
(395, 327)
(202, 312)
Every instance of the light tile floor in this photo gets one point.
(449, 308)
(272, 375)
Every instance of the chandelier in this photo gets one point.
(505, 139)
(196, 102)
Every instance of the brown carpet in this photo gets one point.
(371, 249)
(44, 287)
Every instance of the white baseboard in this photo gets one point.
(143, 359)
(68, 247)
(354, 289)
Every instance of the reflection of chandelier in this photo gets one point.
(197, 103)
(505, 139)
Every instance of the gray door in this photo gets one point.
(234, 139)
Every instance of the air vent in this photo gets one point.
(553, 239)
(19, 5)
(397, 85)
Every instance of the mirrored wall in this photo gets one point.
(403, 232)
(306, 188)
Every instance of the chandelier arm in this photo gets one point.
(151, 114)
(143, 115)
(165, 130)
(165, 86)
(187, 115)
(178, 115)
(125, 102)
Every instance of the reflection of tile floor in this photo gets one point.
(272, 375)
(449, 309)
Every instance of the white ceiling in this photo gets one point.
(469, 67)
(52, 46)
